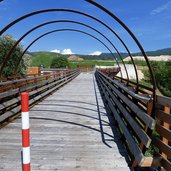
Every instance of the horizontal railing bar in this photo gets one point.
(152, 162)
(163, 100)
(136, 96)
(33, 78)
(166, 164)
(165, 117)
(132, 144)
(166, 133)
(149, 121)
(166, 149)
(129, 81)
(145, 139)
(9, 93)
(12, 106)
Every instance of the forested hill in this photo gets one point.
(166, 51)
(103, 56)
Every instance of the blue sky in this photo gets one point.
(149, 20)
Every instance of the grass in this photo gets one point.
(90, 63)
(152, 150)
(43, 58)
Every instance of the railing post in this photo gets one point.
(25, 131)
(167, 126)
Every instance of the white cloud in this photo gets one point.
(162, 8)
(67, 52)
(55, 50)
(97, 53)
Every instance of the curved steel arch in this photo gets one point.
(74, 30)
(72, 11)
(131, 34)
(80, 23)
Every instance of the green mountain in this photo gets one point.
(166, 51)
(42, 58)
(109, 56)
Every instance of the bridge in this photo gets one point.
(70, 130)
(96, 120)
(78, 126)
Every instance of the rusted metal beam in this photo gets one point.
(80, 23)
(60, 10)
(59, 30)
(136, 41)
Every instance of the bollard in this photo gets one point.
(25, 131)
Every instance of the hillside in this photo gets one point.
(45, 58)
(75, 58)
(166, 51)
(42, 58)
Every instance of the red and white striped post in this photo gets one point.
(25, 131)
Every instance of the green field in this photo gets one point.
(90, 63)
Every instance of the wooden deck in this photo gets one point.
(70, 131)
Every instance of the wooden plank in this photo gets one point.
(9, 103)
(167, 126)
(149, 121)
(134, 83)
(166, 133)
(145, 139)
(131, 93)
(165, 148)
(39, 84)
(152, 162)
(42, 95)
(165, 117)
(9, 93)
(68, 141)
(166, 164)
(43, 88)
(9, 114)
(15, 110)
(136, 151)
(163, 100)
(26, 80)
(33, 86)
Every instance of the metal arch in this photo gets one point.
(43, 24)
(74, 30)
(132, 35)
(80, 23)
(73, 11)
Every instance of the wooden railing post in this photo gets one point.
(167, 126)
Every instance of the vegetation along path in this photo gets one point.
(70, 131)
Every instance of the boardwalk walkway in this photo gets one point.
(70, 131)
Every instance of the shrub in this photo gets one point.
(162, 73)
(59, 62)
(6, 43)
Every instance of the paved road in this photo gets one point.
(70, 131)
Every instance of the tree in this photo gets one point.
(162, 73)
(6, 43)
(59, 62)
